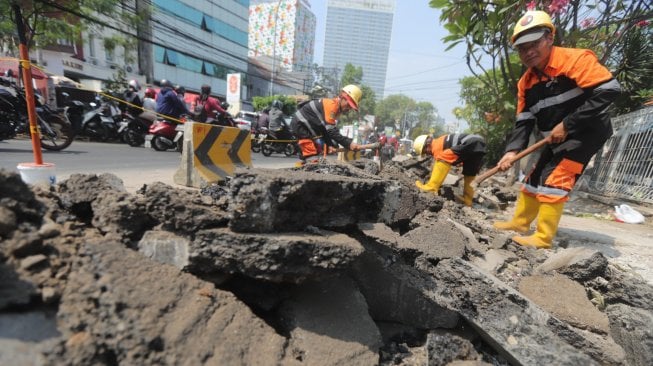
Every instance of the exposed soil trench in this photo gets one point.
(330, 264)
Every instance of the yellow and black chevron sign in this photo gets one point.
(349, 155)
(218, 150)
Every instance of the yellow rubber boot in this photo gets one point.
(468, 191)
(438, 174)
(547, 227)
(525, 212)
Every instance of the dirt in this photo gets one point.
(94, 273)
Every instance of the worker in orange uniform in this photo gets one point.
(314, 123)
(448, 150)
(566, 92)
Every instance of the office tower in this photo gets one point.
(358, 32)
(283, 30)
(199, 42)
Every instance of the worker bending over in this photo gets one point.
(314, 123)
(447, 150)
(566, 92)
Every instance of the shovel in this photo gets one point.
(521, 154)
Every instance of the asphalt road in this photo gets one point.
(134, 165)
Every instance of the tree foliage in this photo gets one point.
(354, 75)
(402, 112)
(478, 113)
(618, 31)
(50, 21)
(289, 103)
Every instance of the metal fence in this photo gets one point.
(623, 168)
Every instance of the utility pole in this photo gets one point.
(25, 70)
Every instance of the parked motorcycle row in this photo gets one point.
(55, 130)
(103, 120)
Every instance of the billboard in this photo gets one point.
(233, 88)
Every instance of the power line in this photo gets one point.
(154, 42)
(423, 71)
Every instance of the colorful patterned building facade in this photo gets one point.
(284, 30)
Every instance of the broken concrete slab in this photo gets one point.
(181, 210)
(121, 214)
(165, 247)
(580, 264)
(443, 348)
(80, 190)
(18, 203)
(514, 326)
(565, 299)
(494, 260)
(120, 305)
(329, 324)
(288, 257)
(439, 240)
(274, 201)
(391, 299)
(632, 329)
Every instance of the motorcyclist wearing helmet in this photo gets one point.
(149, 102)
(131, 96)
(168, 103)
(566, 92)
(205, 107)
(314, 123)
(447, 150)
(277, 123)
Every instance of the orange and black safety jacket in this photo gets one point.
(574, 88)
(317, 118)
(460, 148)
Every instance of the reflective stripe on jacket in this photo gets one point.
(318, 118)
(574, 88)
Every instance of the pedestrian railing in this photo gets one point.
(623, 168)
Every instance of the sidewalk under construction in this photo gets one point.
(329, 264)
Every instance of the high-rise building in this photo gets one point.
(200, 42)
(283, 30)
(358, 32)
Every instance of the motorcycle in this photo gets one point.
(165, 135)
(56, 132)
(257, 139)
(280, 142)
(132, 130)
(101, 122)
(74, 111)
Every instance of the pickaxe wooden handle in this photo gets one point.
(521, 154)
(360, 147)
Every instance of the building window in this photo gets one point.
(170, 58)
(91, 45)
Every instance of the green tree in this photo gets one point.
(484, 28)
(50, 21)
(354, 75)
(405, 114)
(480, 111)
(289, 103)
(391, 111)
(633, 62)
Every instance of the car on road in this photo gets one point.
(244, 120)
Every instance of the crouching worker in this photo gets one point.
(314, 123)
(448, 150)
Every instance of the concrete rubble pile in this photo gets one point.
(331, 264)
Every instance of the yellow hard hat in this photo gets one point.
(353, 95)
(418, 144)
(530, 27)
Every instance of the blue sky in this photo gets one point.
(418, 66)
